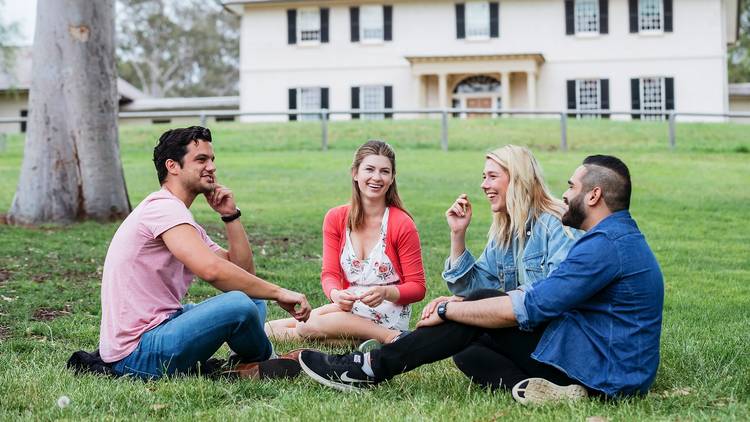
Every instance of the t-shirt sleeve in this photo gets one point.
(161, 215)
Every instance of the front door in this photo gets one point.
(481, 102)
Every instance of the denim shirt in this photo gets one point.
(547, 244)
(604, 306)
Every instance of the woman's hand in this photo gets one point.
(344, 299)
(459, 214)
(376, 295)
(429, 309)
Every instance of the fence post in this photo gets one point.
(563, 131)
(324, 129)
(203, 118)
(672, 129)
(444, 130)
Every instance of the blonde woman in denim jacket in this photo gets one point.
(527, 241)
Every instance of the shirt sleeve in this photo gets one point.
(591, 265)
(161, 215)
(468, 275)
(331, 276)
(413, 286)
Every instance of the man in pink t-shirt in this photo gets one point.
(153, 258)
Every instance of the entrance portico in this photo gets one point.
(479, 81)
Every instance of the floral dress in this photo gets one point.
(375, 270)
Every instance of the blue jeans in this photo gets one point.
(193, 334)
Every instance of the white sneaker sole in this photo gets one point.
(541, 391)
(328, 382)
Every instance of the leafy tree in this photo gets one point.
(178, 48)
(8, 34)
(739, 54)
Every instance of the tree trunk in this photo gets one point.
(71, 168)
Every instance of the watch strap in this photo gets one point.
(230, 218)
(442, 309)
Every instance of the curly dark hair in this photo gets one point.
(173, 146)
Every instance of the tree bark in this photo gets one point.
(71, 169)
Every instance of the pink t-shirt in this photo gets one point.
(143, 283)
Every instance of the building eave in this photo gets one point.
(536, 57)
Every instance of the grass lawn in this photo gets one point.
(691, 203)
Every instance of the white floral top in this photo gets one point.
(375, 270)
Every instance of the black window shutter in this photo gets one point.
(388, 96)
(460, 26)
(604, 99)
(669, 93)
(571, 96)
(570, 26)
(633, 12)
(494, 19)
(324, 24)
(291, 25)
(603, 16)
(635, 96)
(354, 23)
(387, 23)
(292, 102)
(355, 101)
(324, 98)
(668, 16)
(24, 113)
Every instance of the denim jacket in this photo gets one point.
(547, 244)
(604, 306)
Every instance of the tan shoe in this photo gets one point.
(293, 354)
(267, 369)
(535, 391)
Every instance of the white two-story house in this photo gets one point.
(618, 55)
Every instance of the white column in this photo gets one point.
(443, 90)
(505, 86)
(418, 90)
(531, 89)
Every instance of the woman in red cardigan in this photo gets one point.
(372, 260)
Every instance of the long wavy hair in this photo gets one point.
(357, 212)
(527, 196)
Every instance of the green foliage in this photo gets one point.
(690, 203)
(178, 48)
(9, 33)
(739, 54)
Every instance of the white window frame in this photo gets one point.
(474, 18)
(584, 84)
(308, 20)
(304, 102)
(652, 106)
(641, 19)
(372, 97)
(371, 24)
(579, 9)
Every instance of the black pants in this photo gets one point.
(495, 358)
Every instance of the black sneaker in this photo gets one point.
(342, 372)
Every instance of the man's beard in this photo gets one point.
(576, 213)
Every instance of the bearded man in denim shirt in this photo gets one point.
(591, 327)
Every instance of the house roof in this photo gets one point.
(739, 90)
(182, 103)
(19, 78)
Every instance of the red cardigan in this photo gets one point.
(401, 245)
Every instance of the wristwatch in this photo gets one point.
(442, 309)
(232, 217)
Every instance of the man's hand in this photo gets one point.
(375, 296)
(344, 298)
(294, 303)
(431, 320)
(430, 308)
(459, 214)
(221, 199)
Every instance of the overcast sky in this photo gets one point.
(23, 12)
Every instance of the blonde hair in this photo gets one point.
(527, 195)
(357, 213)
